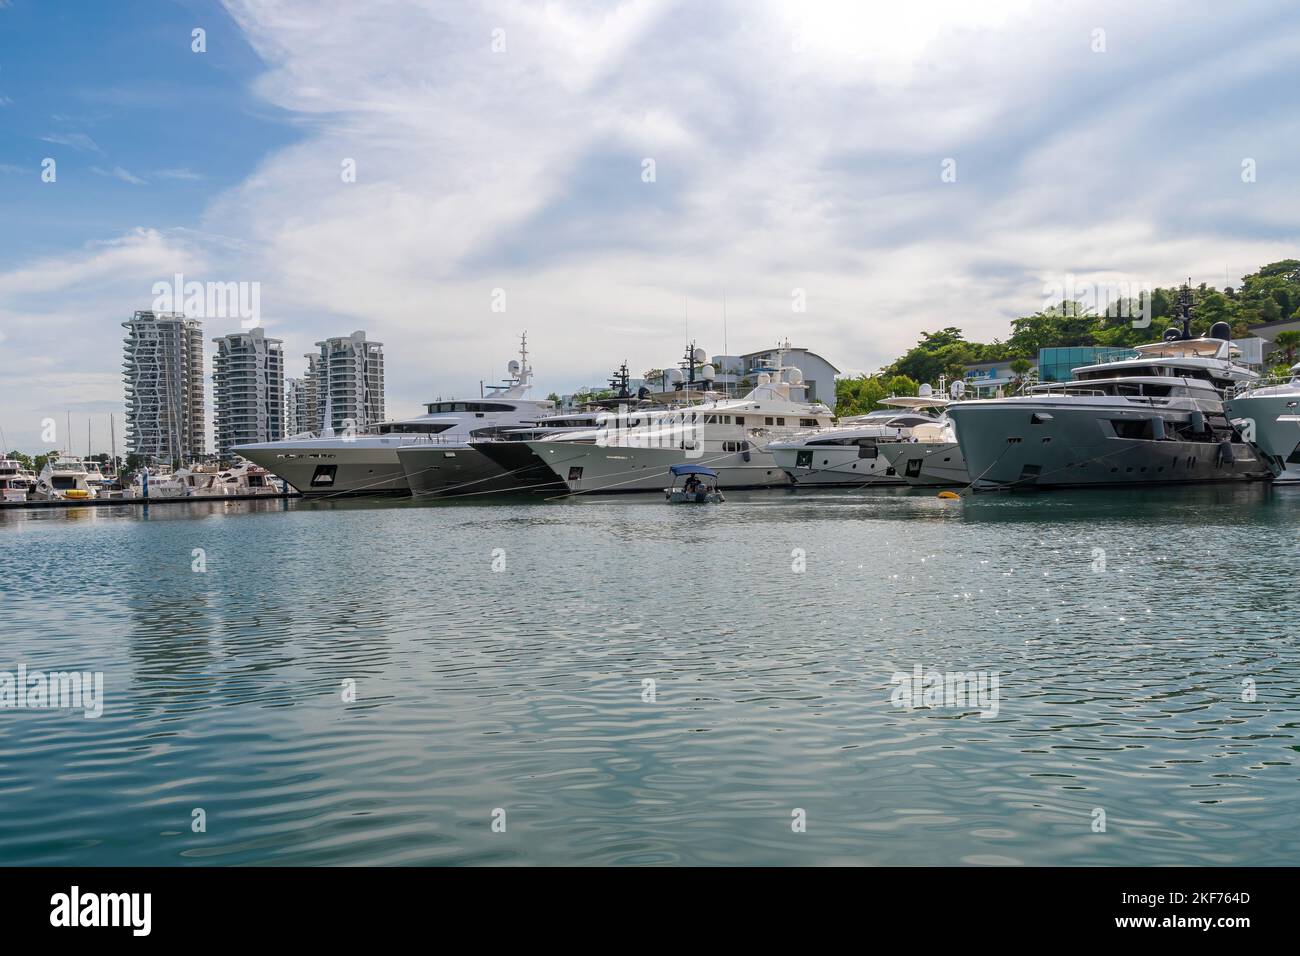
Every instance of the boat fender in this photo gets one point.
(1158, 428)
(1225, 452)
(1197, 421)
(948, 495)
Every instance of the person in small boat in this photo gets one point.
(692, 485)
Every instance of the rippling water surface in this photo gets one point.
(1126, 690)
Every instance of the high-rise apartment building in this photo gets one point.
(247, 389)
(349, 377)
(162, 370)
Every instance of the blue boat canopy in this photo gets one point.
(693, 470)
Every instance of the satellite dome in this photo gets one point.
(926, 390)
(794, 376)
(764, 378)
(699, 355)
(708, 372)
(957, 389)
(673, 375)
(513, 366)
(1221, 330)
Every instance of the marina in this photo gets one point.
(222, 689)
(564, 436)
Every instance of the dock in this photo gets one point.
(110, 502)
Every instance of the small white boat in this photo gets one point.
(158, 484)
(16, 482)
(699, 488)
(66, 478)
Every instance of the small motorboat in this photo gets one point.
(699, 488)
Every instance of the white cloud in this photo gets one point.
(78, 141)
(796, 144)
(117, 172)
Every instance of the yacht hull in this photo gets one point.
(452, 471)
(837, 466)
(1072, 447)
(1277, 443)
(927, 464)
(525, 468)
(333, 467)
(588, 469)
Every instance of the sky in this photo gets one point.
(605, 176)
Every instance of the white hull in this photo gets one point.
(1271, 420)
(326, 467)
(615, 469)
(834, 466)
(927, 464)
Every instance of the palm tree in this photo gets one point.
(1020, 368)
(1287, 343)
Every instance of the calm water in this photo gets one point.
(522, 689)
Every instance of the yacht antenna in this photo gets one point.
(724, 323)
(1185, 307)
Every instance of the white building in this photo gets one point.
(350, 382)
(300, 410)
(739, 373)
(248, 389)
(162, 370)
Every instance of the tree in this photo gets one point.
(24, 460)
(1020, 368)
(1287, 343)
(861, 394)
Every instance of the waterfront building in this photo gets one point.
(738, 374)
(987, 379)
(1055, 364)
(349, 378)
(248, 389)
(162, 371)
(299, 406)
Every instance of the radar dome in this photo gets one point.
(708, 372)
(1172, 335)
(1221, 330)
(673, 375)
(513, 366)
(794, 376)
(957, 389)
(926, 390)
(764, 378)
(699, 355)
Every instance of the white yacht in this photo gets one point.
(66, 477)
(367, 463)
(1156, 418)
(16, 482)
(930, 456)
(160, 482)
(855, 451)
(1268, 417)
(632, 449)
(502, 461)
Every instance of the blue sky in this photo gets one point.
(797, 146)
(113, 92)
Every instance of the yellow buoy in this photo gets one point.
(949, 494)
